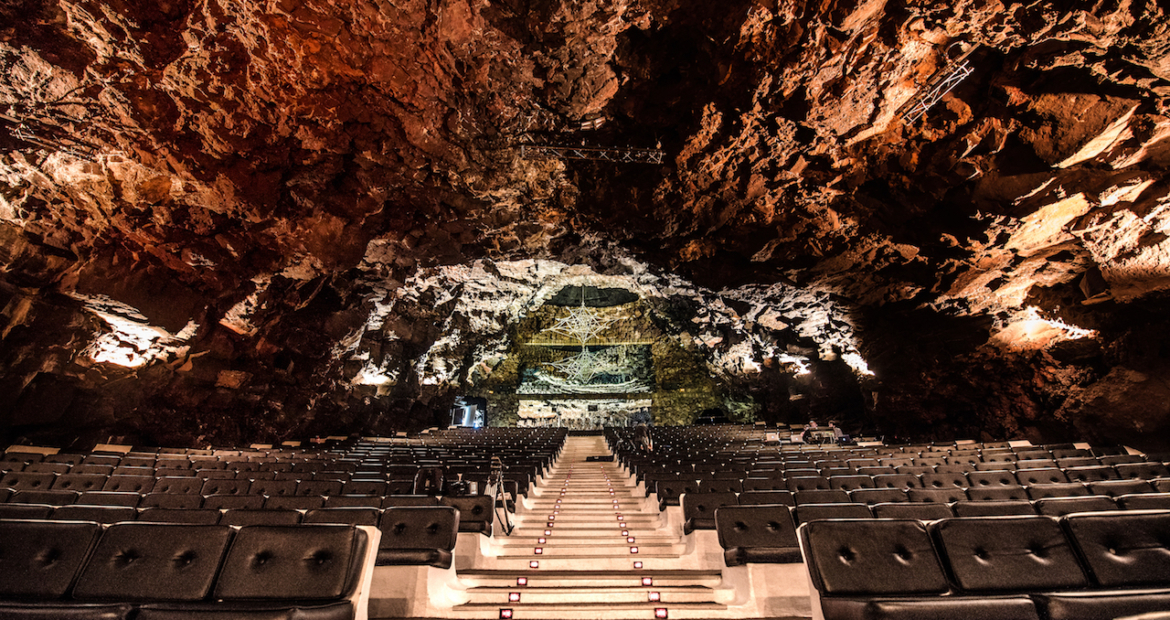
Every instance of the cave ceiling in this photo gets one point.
(229, 221)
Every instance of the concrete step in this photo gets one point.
(589, 611)
(582, 595)
(590, 578)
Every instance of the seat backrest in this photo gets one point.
(1002, 554)
(42, 559)
(945, 480)
(872, 557)
(756, 526)
(703, 505)
(27, 481)
(300, 562)
(1043, 475)
(129, 484)
(1000, 478)
(897, 481)
(152, 561)
(1091, 474)
(109, 498)
(1124, 549)
(1142, 471)
(419, 527)
(475, 512)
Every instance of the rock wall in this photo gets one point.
(249, 183)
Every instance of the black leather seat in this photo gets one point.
(475, 513)
(752, 498)
(1129, 558)
(699, 509)
(418, 535)
(144, 561)
(1145, 501)
(1008, 554)
(39, 560)
(878, 569)
(191, 516)
(1064, 489)
(757, 534)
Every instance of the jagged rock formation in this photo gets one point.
(224, 193)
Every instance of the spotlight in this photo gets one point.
(521, 581)
(647, 581)
(660, 612)
(654, 597)
(541, 540)
(630, 539)
(513, 597)
(534, 564)
(625, 532)
(505, 614)
(636, 565)
(538, 551)
(633, 549)
(548, 532)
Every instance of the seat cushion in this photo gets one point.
(154, 561)
(40, 559)
(1002, 554)
(340, 610)
(993, 508)
(1101, 605)
(934, 608)
(249, 516)
(813, 512)
(75, 611)
(872, 557)
(97, 514)
(765, 526)
(303, 562)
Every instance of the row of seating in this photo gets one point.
(1078, 567)
(698, 509)
(477, 511)
(78, 570)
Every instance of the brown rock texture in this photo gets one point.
(221, 195)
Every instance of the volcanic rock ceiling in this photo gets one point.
(225, 221)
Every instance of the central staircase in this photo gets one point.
(589, 544)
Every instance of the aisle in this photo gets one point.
(588, 544)
(600, 551)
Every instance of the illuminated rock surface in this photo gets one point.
(235, 221)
